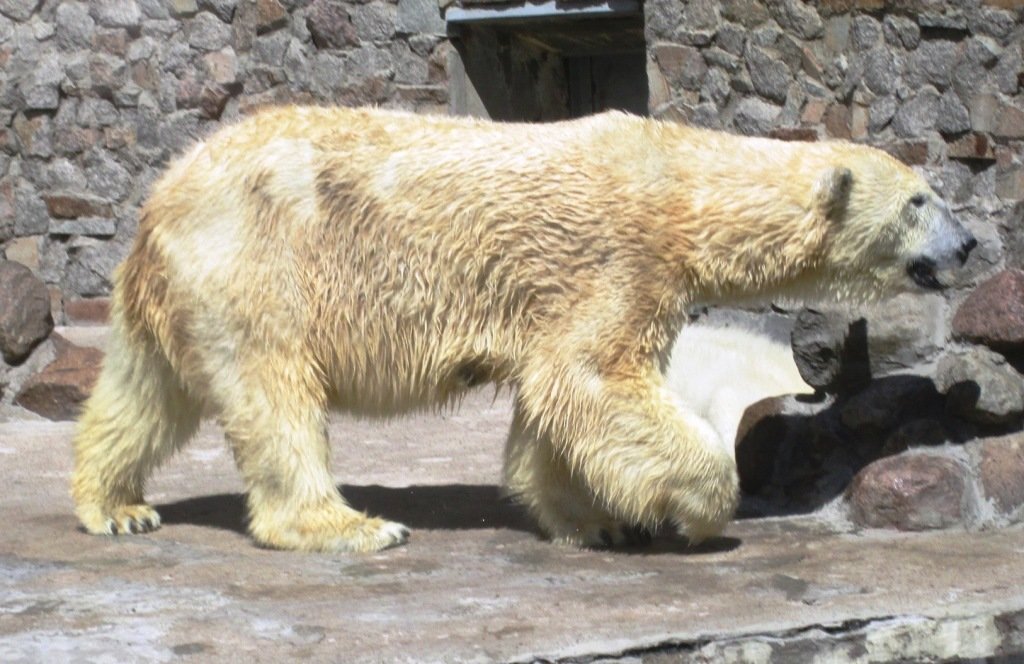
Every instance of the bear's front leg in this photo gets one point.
(538, 477)
(643, 457)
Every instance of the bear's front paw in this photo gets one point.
(122, 520)
(602, 535)
(330, 529)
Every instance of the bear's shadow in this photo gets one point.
(441, 507)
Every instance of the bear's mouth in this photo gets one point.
(923, 272)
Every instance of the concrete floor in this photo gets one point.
(475, 582)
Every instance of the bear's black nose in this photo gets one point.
(965, 249)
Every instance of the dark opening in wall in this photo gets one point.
(542, 62)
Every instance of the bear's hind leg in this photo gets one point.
(275, 419)
(137, 415)
(539, 478)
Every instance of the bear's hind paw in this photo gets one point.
(123, 520)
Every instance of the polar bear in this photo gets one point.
(309, 258)
(718, 371)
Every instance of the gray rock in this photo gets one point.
(153, 9)
(683, 66)
(731, 39)
(1007, 71)
(953, 20)
(374, 21)
(419, 16)
(748, 13)
(107, 178)
(917, 115)
(91, 226)
(96, 113)
(865, 32)
(90, 265)
(700, 15)
(901, 31)
(755, 117)
(980, 386)
(988, 21)
(881, 71)
(25, 318)
(40, 90)
(880, 113)
(953, 117)
(797, 17)
(768, 74)
(933, 62)
(116, 13)
(30, 215)
(716, 87)
(206, 32)
(75, 27)
(19, 10)
(983, 51)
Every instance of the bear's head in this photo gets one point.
(888, 230)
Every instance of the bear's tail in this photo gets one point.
(139, 412)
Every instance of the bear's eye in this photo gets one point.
(918, 200)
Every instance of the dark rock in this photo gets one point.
(841, 348)
(880, 71)
(910, 492)
(911, 152)
(888, 401)
(270, 15)
(880, 113)
(330, 25)
(57, 392)
(924, 432)
(980, 386)
(25, 318)
(769, 75)
(1001, 471)
(993, 314)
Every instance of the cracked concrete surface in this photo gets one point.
(475, 583)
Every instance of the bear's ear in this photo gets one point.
(832, 191)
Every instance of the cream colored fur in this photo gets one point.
(309, 258)
(719, 371)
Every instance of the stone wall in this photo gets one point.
(96, 96)
(932, 379)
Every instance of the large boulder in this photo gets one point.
(910, 492)
(981, 386)
(25, 318)
(57, 392)
(993, 314)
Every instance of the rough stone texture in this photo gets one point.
(842, 347)
(980, 386)
(25, 318)
(993, 314)
(1001, 472)
(58, 391)
(910, 492)
(475, 583)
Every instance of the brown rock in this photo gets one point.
(837, 121)
(330, 25)
(913, 153)
(909, 492)
(270, 15)
(58, 391)
(1001, 471)
(794, 133)
(972, 146)
(73, 206)
(88, 311)
(993, 314)
(25, 318)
